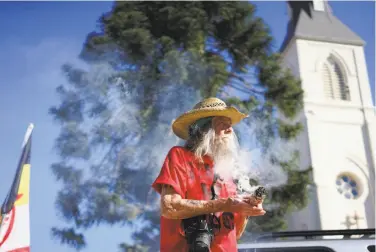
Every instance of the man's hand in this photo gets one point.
(252, 200)
(247, 205)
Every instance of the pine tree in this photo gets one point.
(147, 63)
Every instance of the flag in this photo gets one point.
(14, 212)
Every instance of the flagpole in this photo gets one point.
(27, 134)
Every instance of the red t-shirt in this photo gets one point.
(193, 180)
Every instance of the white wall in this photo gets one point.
(339, 135)
(312, 54)
(308, 218)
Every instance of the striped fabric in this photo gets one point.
(14, 218)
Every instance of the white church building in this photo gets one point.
(339, 139)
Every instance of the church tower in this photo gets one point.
(339, 139)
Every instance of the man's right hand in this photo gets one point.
(242, 206)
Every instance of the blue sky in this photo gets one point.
(36, 39)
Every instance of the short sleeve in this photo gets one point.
(173, 172)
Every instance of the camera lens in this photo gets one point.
(198, 234)
(203, 241)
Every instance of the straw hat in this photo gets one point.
(206, 108)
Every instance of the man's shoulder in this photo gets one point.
(180, 149)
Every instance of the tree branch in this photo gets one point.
(246, 86)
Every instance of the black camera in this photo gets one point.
(199, 232)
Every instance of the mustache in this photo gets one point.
(223, 139)
(225, 136)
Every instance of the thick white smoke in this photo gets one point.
(121, 117)
(252, 163)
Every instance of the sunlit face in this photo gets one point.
(222, 126)
(219, 142)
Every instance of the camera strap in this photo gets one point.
(212, 188)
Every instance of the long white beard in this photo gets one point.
(223, 150)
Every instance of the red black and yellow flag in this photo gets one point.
(14, 212)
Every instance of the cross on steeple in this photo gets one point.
(348, 223)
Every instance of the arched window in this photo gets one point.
(335, 86)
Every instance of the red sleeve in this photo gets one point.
(239, 220)
(173, 173)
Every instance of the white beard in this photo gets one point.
(223, 150)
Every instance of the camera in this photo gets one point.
(199, 232)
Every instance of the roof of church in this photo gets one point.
(307, 23)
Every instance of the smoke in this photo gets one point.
(253, 163)
(127, 150)
(143, 144)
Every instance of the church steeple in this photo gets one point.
(337, 115)
(314, 20)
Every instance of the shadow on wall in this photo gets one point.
(369, 204)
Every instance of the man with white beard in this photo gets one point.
(200, 210)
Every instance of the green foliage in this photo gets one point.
(289, 131)
(149, 62)
(69, 236)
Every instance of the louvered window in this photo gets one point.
(335, 86)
